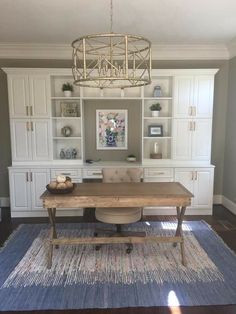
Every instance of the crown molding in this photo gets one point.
(190, 52)
(159, 52)
(35, 51)
(232, 49)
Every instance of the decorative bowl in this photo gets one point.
(131, 158)
(60, 191)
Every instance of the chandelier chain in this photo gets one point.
(111, 16)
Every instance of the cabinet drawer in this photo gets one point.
(92, 173)
(158, 172)
(159, 179)
(73, 173)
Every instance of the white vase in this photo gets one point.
(67, 93)
(155, 113)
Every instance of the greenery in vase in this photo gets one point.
(155, 107)
(67, 87)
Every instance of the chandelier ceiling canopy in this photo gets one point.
(111, 60)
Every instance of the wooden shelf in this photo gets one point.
(67, 137)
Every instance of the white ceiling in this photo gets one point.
(210, 23)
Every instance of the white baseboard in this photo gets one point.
(4, 202)
(172, 211)
(231, 206)
(43, 213)
(221, 199)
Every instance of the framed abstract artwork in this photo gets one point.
(112, 129)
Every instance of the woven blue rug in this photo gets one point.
(82, 278)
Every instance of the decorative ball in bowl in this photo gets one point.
(62, 185)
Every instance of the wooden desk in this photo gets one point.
(119, 195)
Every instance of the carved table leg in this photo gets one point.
(53, 234)
(179, 232)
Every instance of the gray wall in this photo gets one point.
(220, 105)
(134, 129)
(229, 182)
(5, 150)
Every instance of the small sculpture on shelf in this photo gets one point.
(67, 89)
(66, 131)
(156, 151)
(69, 153)
(73, 153)
(157, 92)
(62, 153)
(155, 109)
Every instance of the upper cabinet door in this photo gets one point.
(39, 87)
(201, 139)
(183, 96)
(18, 95)
(41, 135)
(203, 96)
(182, 138)
(21, 140)
(29, 95)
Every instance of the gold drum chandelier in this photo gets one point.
(111, 60)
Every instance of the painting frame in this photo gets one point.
(111, 129)
(155, 130)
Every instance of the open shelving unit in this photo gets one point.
(66, 112)
(165, 118)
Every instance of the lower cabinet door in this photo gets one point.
(185, 176)
(20, 190)
(39, 179)
(199, 181)
(203, 188)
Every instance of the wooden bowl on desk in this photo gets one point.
(60, 191)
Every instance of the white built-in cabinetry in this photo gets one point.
(198, 181)
(29, 106)
(26, 185)
(37, 117)
(193, 107)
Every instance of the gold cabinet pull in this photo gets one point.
(31, 110)
(32, 126)
(190, 125)
(31, 176)
(27, 110)
(192, 178)
(194, 125)
(27, 176)
(27, 126)
(190, 110)
(194, 111)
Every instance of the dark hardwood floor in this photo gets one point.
(222, 221)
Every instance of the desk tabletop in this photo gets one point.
(120, 195)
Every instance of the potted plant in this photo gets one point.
(155, 109)
(67, 88)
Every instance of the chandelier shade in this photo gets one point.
(111, 61)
